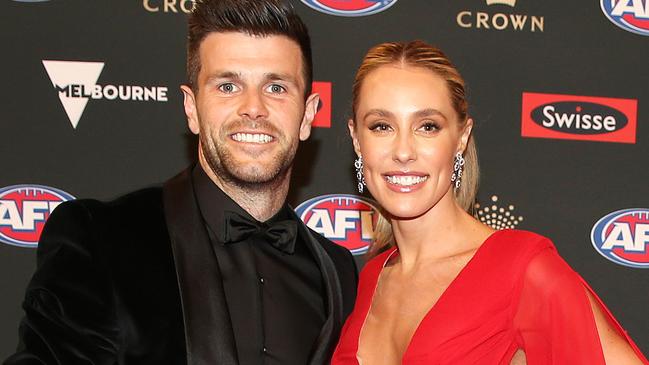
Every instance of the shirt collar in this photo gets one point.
(212, 202)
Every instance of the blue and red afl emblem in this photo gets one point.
(350, 7)
(347, 220)
(630, 15)
(24, 210)
(623, 237)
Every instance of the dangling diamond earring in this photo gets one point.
(358, 164)
(458, 169)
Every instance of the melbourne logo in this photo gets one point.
(623, 237)
(630, 15)
(76, 84)
(500, 20)
(350, 7)
(585, 118)
(24, 210)
(347, 220)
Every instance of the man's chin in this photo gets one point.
(256, 175)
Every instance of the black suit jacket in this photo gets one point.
(135, 281)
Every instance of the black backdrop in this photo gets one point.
(555, 186)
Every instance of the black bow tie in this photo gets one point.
(280, 235)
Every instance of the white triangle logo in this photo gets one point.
(66, 73)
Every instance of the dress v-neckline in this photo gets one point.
(431, 310)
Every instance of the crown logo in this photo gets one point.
(511, 3)
(497, 217)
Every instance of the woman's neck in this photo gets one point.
(444, 231)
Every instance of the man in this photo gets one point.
(214, 267)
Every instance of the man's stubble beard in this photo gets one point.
(224, 165)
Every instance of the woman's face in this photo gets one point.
(408, 133)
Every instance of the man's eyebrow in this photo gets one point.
(274, 76)
(224, 75)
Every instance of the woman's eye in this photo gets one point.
(429, 127)
(276, 89)
(227, 88)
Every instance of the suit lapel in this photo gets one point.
(328, 337)
(208, 328)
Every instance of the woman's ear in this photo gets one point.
(352, 132)
(466, 133)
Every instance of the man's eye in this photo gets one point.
(380, 127)
(227, 88)
(276, 89)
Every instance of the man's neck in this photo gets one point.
(261, 202)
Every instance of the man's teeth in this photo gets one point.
(252, 138)
(406, 180)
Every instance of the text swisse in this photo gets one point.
(581, 118)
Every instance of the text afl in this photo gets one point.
(347, 220)
(24, 210)
(623, 237)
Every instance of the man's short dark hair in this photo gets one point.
(253, 17)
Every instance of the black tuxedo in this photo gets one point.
(135, 281)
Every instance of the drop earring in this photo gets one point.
(358, 164)
(458, 169)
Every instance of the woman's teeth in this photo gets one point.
(406, 180)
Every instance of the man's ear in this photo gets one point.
(189, 102)
(352, 133)
(310, 110)
(466, 133)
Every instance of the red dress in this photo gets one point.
(515, 293)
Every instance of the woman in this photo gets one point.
(453, 291)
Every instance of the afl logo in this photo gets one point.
(350, 7)
(623, 237)
(347, 220)
(630, 15)
(24, 210)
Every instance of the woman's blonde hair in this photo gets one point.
(420, 54)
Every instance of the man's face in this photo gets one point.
(249, 109)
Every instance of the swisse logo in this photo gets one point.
(169, 6)
(579, 118)
(24, 210)
(347, 220)
(349, 7)
(76, 84)
(630, 15)
(500, 20)
(623, 237)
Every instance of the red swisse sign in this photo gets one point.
(323, 117)
(584, 118)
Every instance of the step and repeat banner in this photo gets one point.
(559, 90)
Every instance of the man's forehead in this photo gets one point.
(244, 44)
(245, 55)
